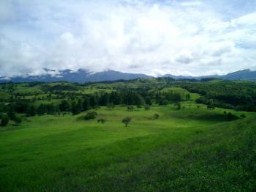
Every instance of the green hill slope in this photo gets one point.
(180, 151)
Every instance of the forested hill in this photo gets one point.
(241, 75)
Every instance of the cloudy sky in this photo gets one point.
(188, 37)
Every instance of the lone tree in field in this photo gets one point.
(126, 121)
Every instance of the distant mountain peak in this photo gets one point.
(83, 76)
(79, 76)
(245, 74)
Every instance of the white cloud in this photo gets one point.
(151, 37)
(191, 3)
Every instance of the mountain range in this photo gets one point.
(83, 76)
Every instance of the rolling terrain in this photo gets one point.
(179, 138)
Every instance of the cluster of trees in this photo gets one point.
(85, 102)
(9, 115)
(225, 94)
(169, 97)
(79, 103)
(60, 98)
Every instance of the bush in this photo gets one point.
(163, 102)
(17, 120)
(177, 105)
(130, 108)
(156, 116)
(230, 117)
(146, 107)
(101, 120)
(242, 116)
(90, 115)
(4, 120)
(210, 107)
(110, 106)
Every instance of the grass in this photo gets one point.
(184, 150)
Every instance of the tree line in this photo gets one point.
(225, 94)
(80, 103)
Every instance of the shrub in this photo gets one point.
(4, 120)
(110, 106)
(156, 116)
(90, 115)
(230, 117)
(146, 107)
(242, 116)
(17, 120)
(163, 102)
(101, 120)
(210, 107)
(130, 108)
(177, 105)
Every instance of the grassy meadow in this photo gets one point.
(192, 148)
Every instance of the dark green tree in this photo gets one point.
(93, 101)
(11, 112)
(76, 107)
(31, 110)
(64, 106)
(41, 109)
(86, 104)
(126, 121)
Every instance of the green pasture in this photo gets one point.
(191, 149)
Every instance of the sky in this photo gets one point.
(154, 37)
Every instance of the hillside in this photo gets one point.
(241, 75)
(182, 136)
